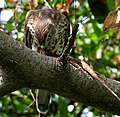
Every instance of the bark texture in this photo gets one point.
(21, 67)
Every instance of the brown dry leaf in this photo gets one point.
(116, 59)
(112, 21)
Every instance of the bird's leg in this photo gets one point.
(70, 43)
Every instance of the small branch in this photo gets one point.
(21, 67)
(49, 5)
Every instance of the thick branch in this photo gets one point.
(21, 67)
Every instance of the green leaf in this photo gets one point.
(9, 27)
(97, 30)
(62, 107)
(111, 4)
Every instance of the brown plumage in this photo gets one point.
(47, 32)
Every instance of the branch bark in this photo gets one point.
(21, 67)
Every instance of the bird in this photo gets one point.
(46, 32)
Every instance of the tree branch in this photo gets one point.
(21, 67)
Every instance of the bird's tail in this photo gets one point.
(42, 100)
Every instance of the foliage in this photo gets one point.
(98, 49)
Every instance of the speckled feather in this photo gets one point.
(48, 31)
